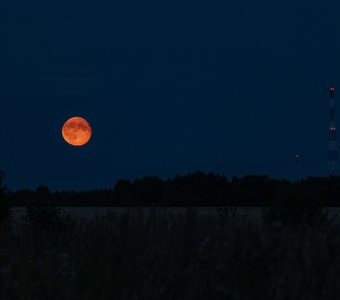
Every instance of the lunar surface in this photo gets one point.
(77, 131)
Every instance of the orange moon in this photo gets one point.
(77, 131)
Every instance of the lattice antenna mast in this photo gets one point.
(332, 145)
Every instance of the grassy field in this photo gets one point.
(87, 213)
(170, 255)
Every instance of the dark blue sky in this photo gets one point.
(169, 88)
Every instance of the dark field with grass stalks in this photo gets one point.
(164, 255)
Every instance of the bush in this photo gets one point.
(41, 213)
(296, 205)
(294, 215)
(5, 211)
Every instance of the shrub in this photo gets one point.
(296, 205)
(41, 213)
(5, 212)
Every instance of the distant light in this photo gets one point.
(297, 155)
(332, 89)
(332, 129)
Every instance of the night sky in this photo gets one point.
(232, 87)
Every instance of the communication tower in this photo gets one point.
(332, 146)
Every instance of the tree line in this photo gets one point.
(193, 189)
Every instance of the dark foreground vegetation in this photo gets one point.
(196, 189)
(164, 255)
(292, 253)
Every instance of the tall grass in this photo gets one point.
(164, 255)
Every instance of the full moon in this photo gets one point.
(77, 131)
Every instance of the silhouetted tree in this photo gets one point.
(194, 189)
(148, 191)
(123, 193)
(297, 203)
(41, 212)
(4, 205)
